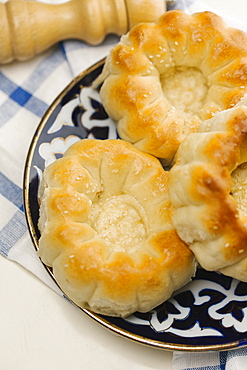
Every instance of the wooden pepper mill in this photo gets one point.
(29, 27)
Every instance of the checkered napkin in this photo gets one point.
(26, 91)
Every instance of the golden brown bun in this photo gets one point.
(208, 190)
(106, 229)
(164, 78)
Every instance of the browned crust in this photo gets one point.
(85, 266)
(208, 187)
(132, 92)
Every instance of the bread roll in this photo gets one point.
(208, 192)
(162, 79)
(106, 230)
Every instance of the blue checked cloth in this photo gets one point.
(26, 91)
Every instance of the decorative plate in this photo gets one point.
(210, 313)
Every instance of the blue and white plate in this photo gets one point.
(210, 313)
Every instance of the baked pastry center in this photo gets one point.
(120, 221)
(239, 187)
(186, 89)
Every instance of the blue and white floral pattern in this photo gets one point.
(228, 311)
(50, 151)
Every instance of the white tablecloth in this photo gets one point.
(39, 328)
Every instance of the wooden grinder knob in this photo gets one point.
(30, 27)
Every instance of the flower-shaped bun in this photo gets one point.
(106, 229)
(162, 79)
(208, 191)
